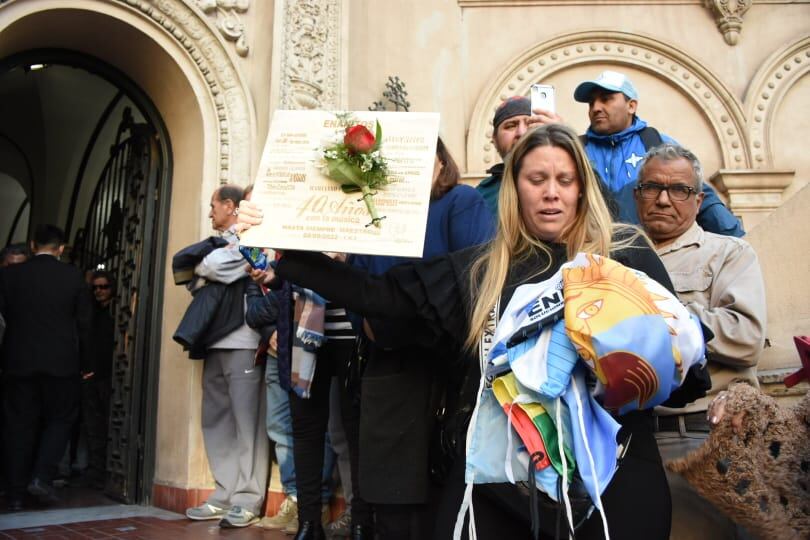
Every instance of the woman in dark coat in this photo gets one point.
(402, 387)
(550, 208)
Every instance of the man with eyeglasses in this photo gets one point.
(617, 140)
(97, 380)
(719, 280)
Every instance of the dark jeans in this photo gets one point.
(39, 413)
(310, 418)
(95, 419)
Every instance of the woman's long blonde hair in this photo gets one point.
(592, 230)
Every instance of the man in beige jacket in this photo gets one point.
(717, 278)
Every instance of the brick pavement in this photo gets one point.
(140, 528)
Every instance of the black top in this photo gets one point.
(103, 341)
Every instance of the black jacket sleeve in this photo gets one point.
(262, 310)
(356, 290)
(420, 302)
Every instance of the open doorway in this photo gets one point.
(83, 148)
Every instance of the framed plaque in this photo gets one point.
(304, 208)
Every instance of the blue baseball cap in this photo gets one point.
(612, 81)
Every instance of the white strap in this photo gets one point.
(487, 338)
(561, 446)
(581, 419)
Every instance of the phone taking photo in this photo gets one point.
(542, 97)
(254, 256)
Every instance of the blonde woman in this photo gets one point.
(550, 208)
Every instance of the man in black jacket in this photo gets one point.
(48, 313)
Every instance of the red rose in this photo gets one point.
(358, 139)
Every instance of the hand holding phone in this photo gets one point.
(542, 97)
(254, 256)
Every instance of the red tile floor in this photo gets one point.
(144, 528)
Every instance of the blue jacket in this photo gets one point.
(616, 158)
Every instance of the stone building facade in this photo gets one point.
(727, 78)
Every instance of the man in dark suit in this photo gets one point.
(48, 312)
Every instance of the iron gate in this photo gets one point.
(120, 235)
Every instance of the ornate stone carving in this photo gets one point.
(229, 24)
(310, 57)
(721, 108)
(728, 14)
(227, 89)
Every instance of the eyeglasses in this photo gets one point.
(676, 192)
(102, 287)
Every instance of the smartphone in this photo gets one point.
(543, 97)
(254, 256)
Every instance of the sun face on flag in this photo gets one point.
(603, 301)
(598, 296)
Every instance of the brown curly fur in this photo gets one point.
(758, 475)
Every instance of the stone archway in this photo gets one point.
(206, 58)
(179, 59)
(688, 75)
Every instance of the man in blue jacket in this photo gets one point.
(617, 141)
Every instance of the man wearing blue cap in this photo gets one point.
(617, 141)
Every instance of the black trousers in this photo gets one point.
(39, 413)
(395, 429)
(637, 502)
(95, 419)
(310, 418)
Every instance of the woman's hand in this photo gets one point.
(249, 215)
(542, 116)
(717, 411)
(272, 343)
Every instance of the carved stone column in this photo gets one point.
(729, 17)
(309, 54)
(752, 194)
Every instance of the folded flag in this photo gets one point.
(620, 328)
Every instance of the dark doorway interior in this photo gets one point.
(82, 147)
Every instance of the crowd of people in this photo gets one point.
(56, 345)
(381, 363)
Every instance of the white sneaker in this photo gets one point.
(287, 514)
(205, 511)
(238, 517)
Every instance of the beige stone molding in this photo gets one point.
(229, 94)
(766, 92)
(753, 193)
(665, 61)
(308, 54)
(728, 14)
(518, 3)
(226, 13)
